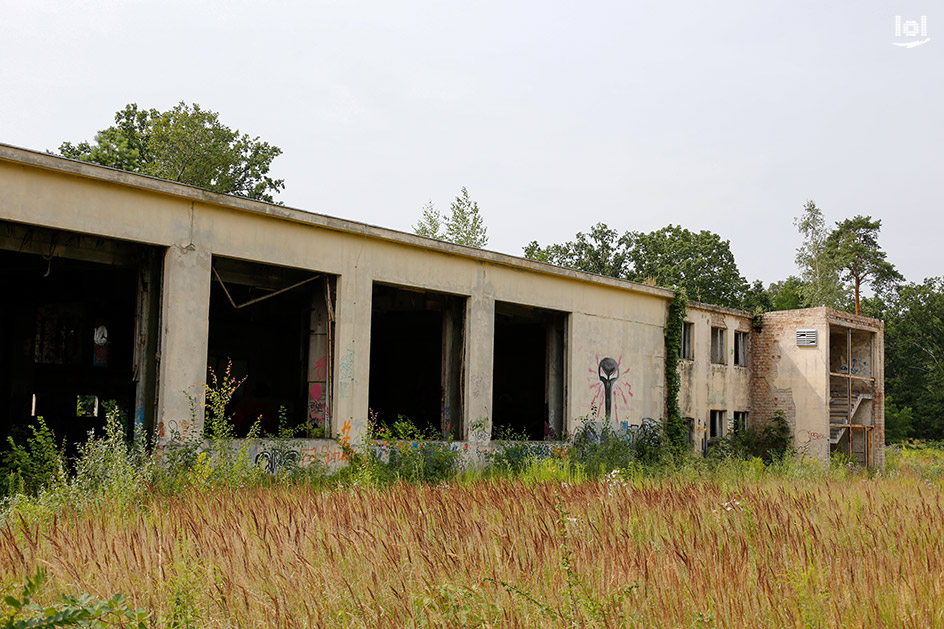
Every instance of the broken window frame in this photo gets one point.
(278, 280)
(719, 355)
(741, 348)
(741, 419)
(717, 423)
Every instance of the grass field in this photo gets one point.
(733, 544)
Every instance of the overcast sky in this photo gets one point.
(554, 115)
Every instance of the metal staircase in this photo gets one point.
(839, 413)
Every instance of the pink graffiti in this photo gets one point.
(621, 390)
(316, 403)
(321, 369)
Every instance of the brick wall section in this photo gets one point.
(766, 352)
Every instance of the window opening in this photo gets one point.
(717, 425)
(740, 349)
(718, 346)
(687, 349)
(528, 389)
(273, 326)
(740, 419)
(74, 333)
(416, 359)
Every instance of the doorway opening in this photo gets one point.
(417, 354)
(528, 374)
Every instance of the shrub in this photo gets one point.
(70, 611)
(768, 443)
(40, 464)
(600, 449)
(108, 465)
(512, 454)
(411, 454)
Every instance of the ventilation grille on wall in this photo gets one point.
(807, 338)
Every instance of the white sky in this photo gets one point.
(555, 115)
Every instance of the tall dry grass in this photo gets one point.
(737, 547)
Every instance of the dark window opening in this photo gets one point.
(416, 359)
(528, 374)
(687, 348)
(740, 419)
(78, 330)
(740, 349)
(718, 346)
(274, 327)
(717, 425)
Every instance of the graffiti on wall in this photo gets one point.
(610, 393)
(317, 394)
(276, 460)
(857, 367)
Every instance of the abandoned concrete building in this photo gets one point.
(122, 287)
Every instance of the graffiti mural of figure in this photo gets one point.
(606, 384)
(609, 374)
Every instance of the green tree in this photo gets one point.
(821, 285)
(603, 251)
(186, 144)
(757, 299)
(787, 294)
(463, 226)
(701, 263)
(853, 248)
(914, 357)
(431, 223)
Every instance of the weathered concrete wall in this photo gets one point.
(794, 379)
(706, 386)
(607, 318)
(614, 352)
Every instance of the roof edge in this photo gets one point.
(88, 170)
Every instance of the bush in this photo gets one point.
(512, 454)
(600, 449)
(38, 465)
(70, 611)
(410, 454)
(108, 465)
(769, 443)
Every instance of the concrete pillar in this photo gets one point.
(319, 358)
(453, 342)
(352, 364)
(480, 344)
(555, 376)
(185, 311)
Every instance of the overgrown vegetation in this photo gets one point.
(592, 531)
(675, 428)
(81, 610)
(770, 442)
(643, 545)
